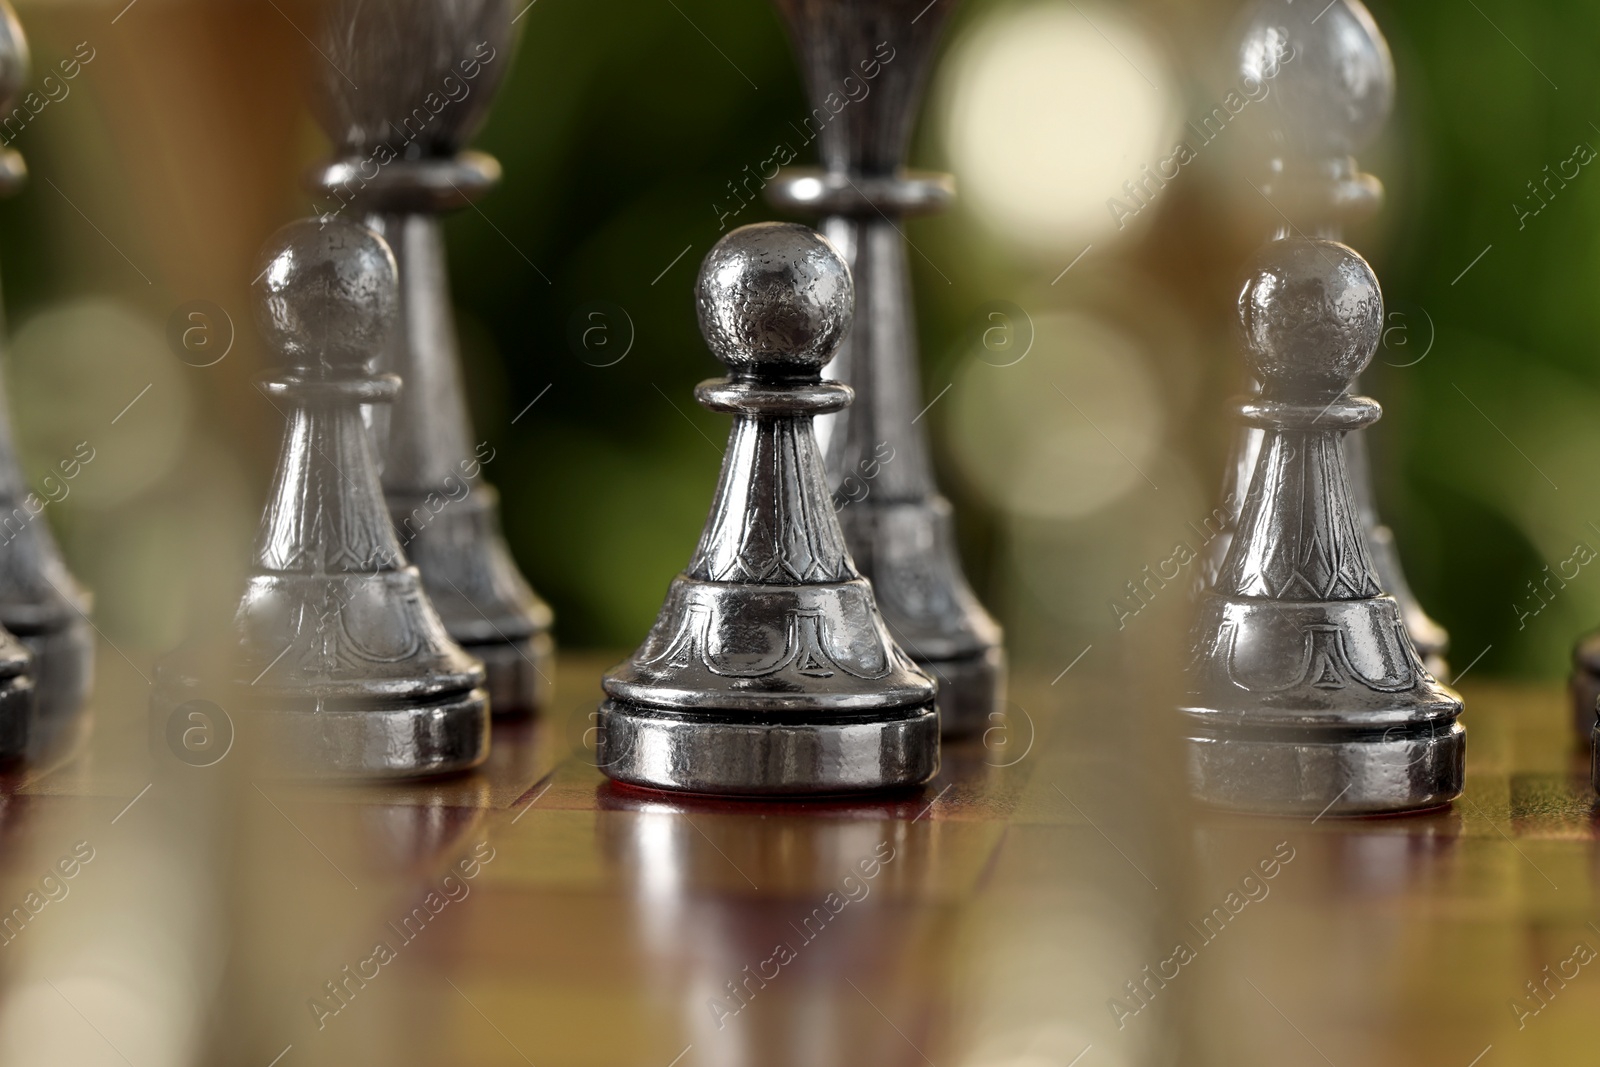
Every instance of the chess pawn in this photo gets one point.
(1307, 695)
(901, 531)
(41, 604)
(427, 71)
(341, 661)
(769, 669)
(1328, 86)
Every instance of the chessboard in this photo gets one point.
(1026, 906)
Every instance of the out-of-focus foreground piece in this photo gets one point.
(40, 602)
(1307, 695)
(1328, 81)
(901, 533)
(770, 669)
(427, 71)
(338, 660)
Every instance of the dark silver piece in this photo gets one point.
(341, 663)
(1307, 694)
(1328, 81)
(427, 72)
(41, 604)
(770, 670)
(901, 532)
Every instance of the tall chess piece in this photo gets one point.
(770, 669)
(340, 662)
(901, 533)
(1307, 694)
(1329, 87)
(40, 602)
(427, 71)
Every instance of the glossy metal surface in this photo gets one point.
(1307, 694)
(901, 534)
(1329, 88)
(427, 72)
(41, 604)
(341, 666)
(769, 670)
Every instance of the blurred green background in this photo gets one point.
(618, 130)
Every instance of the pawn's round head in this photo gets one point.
(1311, 314)
(774, 299)
(327, 296)
(1323, 75)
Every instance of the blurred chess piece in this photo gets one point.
(1307, 693)
(341, 664)
(40, 602)
(408, 84)
(1329, 87)
(901, 533)
(1584, 687)
(16, 699)
(769, 669)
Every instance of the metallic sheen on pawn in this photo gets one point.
(1326, 81)
(769, 670)
(339, 662)
(1307, 695)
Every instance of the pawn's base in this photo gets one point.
(742, 755)
(289, 738)
(16, 711)
(519, 674)
(1320, 771)
(971, 689)
(406, 742)
(63, 669)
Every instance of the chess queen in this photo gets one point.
(770, 670)
(1307, 694)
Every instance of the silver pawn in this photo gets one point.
(769, 670)
(1329, 82)
(339, 661)
(40, 602)
(901, 532)
(1307, 695)
(428, 71)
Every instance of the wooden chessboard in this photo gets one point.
(533, 913)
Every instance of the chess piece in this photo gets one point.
(17, 699)
(1307, 694)
(901, 531)
(769, 669)
(1584, 685)
(41, 604)
(427, 72)
(340, 661)
(1328, 82)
